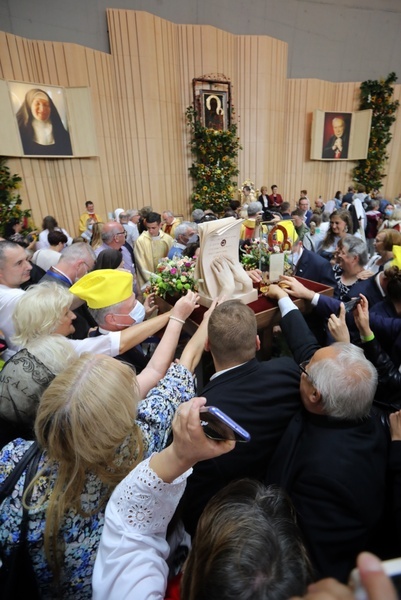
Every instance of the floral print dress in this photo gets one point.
(81, 534)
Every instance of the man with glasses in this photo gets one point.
(113, 236)
(332, 458)
(183, 233)
(75, 262)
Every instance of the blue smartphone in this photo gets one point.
(218, 426)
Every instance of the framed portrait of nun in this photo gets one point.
(42, 119)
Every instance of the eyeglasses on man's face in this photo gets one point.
(123, 232)
(303, 366)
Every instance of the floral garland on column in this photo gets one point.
(377, 95)
(216, 154)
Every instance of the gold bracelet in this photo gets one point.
(177, 319)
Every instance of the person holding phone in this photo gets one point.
(131, 560)
(93, 427)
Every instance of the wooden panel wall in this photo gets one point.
(161, 89)
(60, 186)
(146, 62)
(140, 92)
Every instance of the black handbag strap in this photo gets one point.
(20, 565)
(30, 474)
(11, 481)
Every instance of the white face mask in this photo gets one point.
(137, 314)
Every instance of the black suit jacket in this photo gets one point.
(316, 268)
(262, 397)
(334, 472)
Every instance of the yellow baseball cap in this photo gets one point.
(104, 287)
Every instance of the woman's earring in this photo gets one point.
(345, 229)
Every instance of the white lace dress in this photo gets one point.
(131, 559)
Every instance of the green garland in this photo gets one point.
(10, 200)
(216, 154)
(377, 95)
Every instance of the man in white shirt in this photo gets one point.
(14, 270)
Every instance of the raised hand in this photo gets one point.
(338, 327)
(190, 445)
(185, 305)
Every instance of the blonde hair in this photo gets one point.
(86, 423)
(391, 237)
(39, 311)
(54, 351)
(96, 239)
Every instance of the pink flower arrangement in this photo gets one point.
(173, 276)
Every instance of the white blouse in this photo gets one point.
(43, 242)
(131, 559)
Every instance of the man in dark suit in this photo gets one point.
(261, 396)
(332, 457)
(337, 146)
(309, 265)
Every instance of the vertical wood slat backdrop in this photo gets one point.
(139, 94)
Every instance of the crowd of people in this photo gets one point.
(126, 496)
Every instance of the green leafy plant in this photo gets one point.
(10, 200)
(215, 166)
(377, 95)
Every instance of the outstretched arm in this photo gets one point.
(134, 335)
(300, 339)
(164, 353)
(131, 559)
(193, 351)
